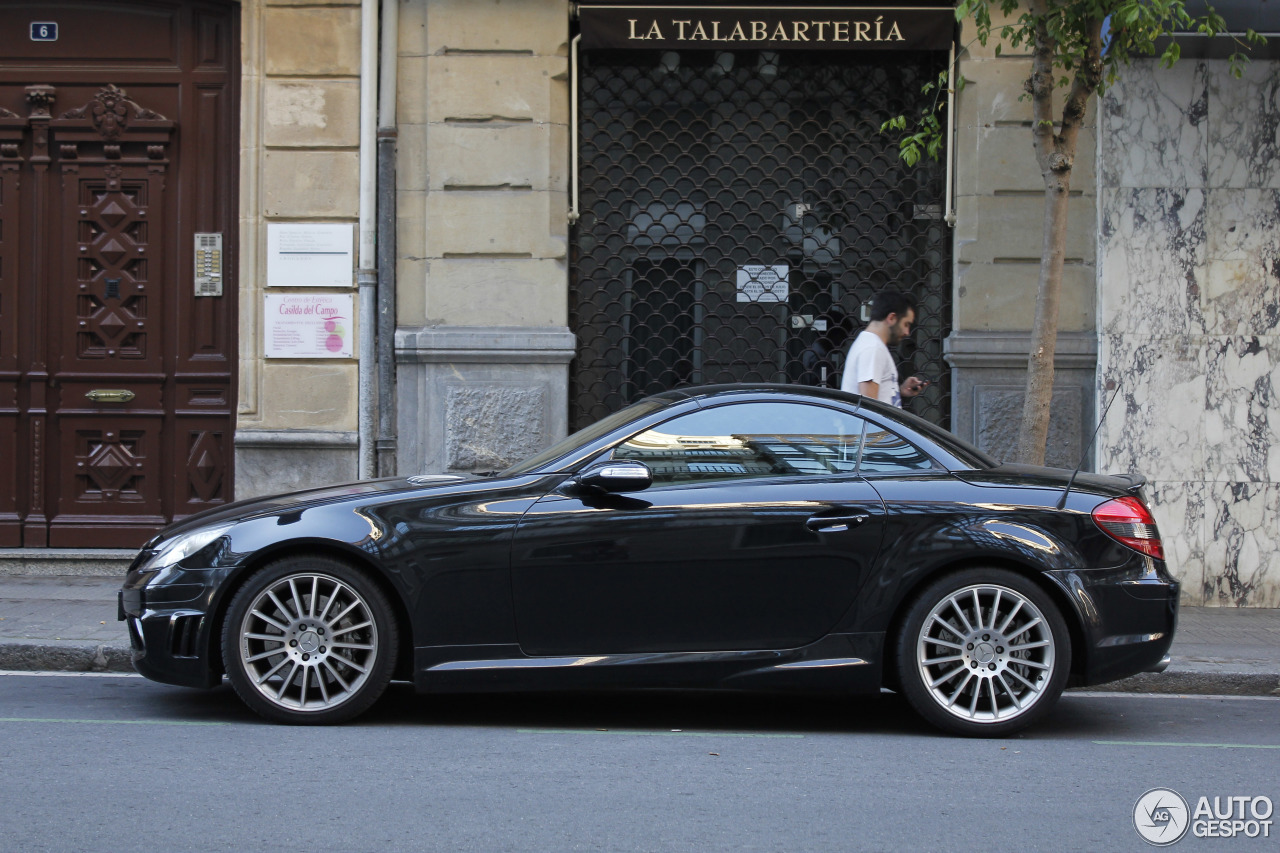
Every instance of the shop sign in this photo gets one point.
(314, 325)
(761, 283)
(747, 28)
(309, 254)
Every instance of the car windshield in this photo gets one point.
(586, 435)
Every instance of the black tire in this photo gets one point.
(988, 679)
(337, 645)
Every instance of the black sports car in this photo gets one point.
(750, 537)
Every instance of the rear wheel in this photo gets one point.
(983, 652)
(309, 640)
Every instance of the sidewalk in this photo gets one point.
(69, 623)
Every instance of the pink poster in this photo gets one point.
(314, 325)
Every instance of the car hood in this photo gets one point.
(272, 504)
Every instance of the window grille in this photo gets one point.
(734, 203)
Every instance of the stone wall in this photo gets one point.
(300, 103)
(1189, 315)
(483, 346)
(998, 241)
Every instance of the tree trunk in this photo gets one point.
(1034, 431)
(1055, 153)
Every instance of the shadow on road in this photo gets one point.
(642, 710)
(660, 710)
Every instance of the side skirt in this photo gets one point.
(838, 662)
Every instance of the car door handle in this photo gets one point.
(835, 523)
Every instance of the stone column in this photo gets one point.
(300, 101)
(483, 344)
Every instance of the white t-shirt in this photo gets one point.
(869, 361)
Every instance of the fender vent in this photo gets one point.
(184, 633)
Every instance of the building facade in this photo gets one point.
(588, 204)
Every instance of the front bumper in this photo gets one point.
(171, 631)
(1127, 617)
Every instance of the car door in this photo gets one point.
(754, 535)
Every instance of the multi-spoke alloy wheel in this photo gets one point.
(309, 640)
(983, 652)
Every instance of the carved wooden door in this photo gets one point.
(118, 146)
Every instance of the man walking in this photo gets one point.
(870, 369)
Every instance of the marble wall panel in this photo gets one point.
(1189, 313)
(1151, 259)
(1242, 423)
(1244, 128)
(1179, 509)
(1240, 551)
(1242, 282)
(1156, 424)
(1154, 124)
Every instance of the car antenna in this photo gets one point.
(1062, 501)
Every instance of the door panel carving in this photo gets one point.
(205, 464)
(111, 302)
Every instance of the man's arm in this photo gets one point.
(911, 387)
(869, 389)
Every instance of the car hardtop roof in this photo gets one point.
(951, 443)
(765, 389)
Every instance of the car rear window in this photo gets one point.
(953, 444)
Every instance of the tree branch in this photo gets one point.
(1087, 80)
(1040, 86)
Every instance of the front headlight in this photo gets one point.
(182, 546)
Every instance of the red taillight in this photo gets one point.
(1128, 521)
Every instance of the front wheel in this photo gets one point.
(309, 640)
(983, 652)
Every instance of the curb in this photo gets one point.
(1196, 683)
(66, 562)
(37, 657)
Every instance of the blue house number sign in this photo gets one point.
(44, 31)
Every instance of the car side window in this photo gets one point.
(884, 452)
(744, 440)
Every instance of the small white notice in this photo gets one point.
(309, 254)
(314, 325)
(760, 283)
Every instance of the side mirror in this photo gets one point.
(620, 476)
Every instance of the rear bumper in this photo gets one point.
(1127, 618)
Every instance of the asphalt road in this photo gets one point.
(115, 763)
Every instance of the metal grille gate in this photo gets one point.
(731, 199)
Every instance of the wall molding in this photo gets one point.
(485, 345)
(1075, 350)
